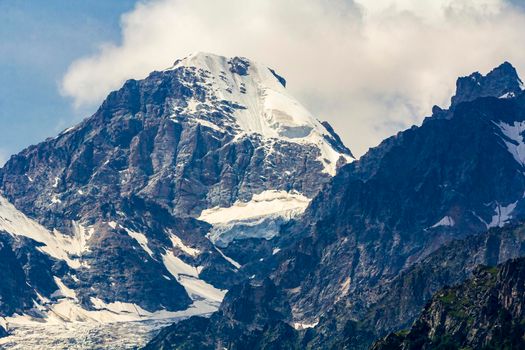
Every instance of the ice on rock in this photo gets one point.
(445, 221)
(502, 215)
(55, 244)
(263, 105)
(513, 138)
(261, 217)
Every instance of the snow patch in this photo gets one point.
(503, 215)
(282, 203)
(177, 267)
(63, 290)
(299, 326)
(177, 242)
(141, 240)
(192, 105)
(199, 289)
(188, 277)
(228, 259)
(513, 138)
(55, 244)
(445, 221)
(208, 125)
(118, 307)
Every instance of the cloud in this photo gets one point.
(370, 67)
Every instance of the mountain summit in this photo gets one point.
(502, 81)
(259, 101)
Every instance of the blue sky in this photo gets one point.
(38, 41)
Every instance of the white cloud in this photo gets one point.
(370, 67)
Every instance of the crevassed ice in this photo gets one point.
(260, 217)
(263, 204)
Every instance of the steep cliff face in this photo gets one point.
(486, 312)
(125, 212)
(458, 174)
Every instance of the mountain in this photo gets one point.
(149, 208)
(458, 174)
(207, 190)
(485, 312)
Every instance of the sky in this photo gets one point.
(369, 67)
(38, 42)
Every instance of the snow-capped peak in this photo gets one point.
(262, 104)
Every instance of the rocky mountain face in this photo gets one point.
(237, 325)
(399, 301)
(382, 217)
(486, 312)
(398, 304)
(135, 212)
(496, 84)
